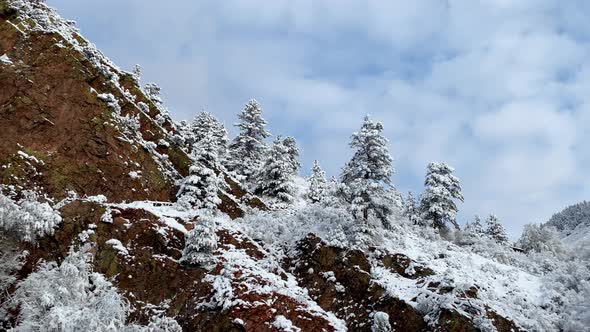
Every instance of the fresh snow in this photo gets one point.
(283, 324)
(117, 245)
(5, 60)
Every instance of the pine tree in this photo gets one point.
(368, 172)
(276, 175)
(437, 204)
(411, 210)
(247, 150)
(476, 227)
(137, 72)
(293, 153)
(495, 230)
(182, 133)
(200, 243)
(152, 91)
(200, 188)
(471, 233)
(204, 126)
(318, 187)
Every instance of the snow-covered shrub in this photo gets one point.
(11, 260)
(380, 322)
(567, 290)
(536, 238)
(576, 316)
(200, 243)
(27, 219)
(285, 227)
(163, 324)
(69, 297)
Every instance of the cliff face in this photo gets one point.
(61, 132)
(72, 121)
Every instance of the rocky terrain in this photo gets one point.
(85, 134)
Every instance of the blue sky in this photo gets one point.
(499, 89)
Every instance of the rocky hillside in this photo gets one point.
(98, 149)
(73, 121)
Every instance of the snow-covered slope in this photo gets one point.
(114, 245)
(573, 223)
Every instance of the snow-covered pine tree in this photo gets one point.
(495, 230)
(437, 204)
(205, 125)
(318, 187)
(472, 232)
(411, 210)
(152, 91)
(476, 227)
(275, 178)
(293, 153)
(246, 151)
(368, 172)
(199, 189)
(136, 73)
(200, 243)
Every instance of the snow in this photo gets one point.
(117, 245)
(29, 157)
(99, 199)
(5, 60)
(283, 324)
(27, 219)
(107, 216)
(167, 213)
(263, 276)
(135, 175)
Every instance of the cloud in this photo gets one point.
(497, 88)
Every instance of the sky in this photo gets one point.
(498, 89)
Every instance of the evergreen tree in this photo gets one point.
(182, 133)
(247, 150)
(368, 172)
(437, 204)
(152, 91)
(475, 227)
(137, 73)
(293, 153)
(495, 230)
(318, 187)
(204, 126)
(411, 210)
(276, 175)
(200, 243)
(199, 189)
(471, 233)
